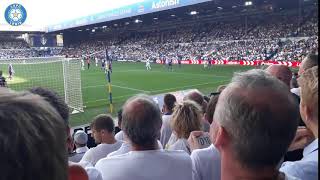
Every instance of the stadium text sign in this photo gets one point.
(164, 3)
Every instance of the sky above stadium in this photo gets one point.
(41, 13)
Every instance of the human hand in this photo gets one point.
(303, 138)
(193, 140)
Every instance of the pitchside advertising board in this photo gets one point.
(156, 98)
(238, 62)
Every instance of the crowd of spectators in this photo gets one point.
(245, 129)
(270, 36)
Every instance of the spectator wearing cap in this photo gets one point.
(80, 139)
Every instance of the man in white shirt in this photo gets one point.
(168, 104)
(148, 66)
(80, 139)
(102, 128)
(141, 122)
(119, 136)
(254, 123)
(307, 167)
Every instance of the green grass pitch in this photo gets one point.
(128, 79)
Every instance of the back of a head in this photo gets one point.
(186, 118)
(308, 82)
(80, 138)
(103, 122)
(195, 96)
(260, 116)
(31, 138)
(169, 101)
(211, 108)
(55, 100)
(282, 72)
(141, 120)
(308, 62)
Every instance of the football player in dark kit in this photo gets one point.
(3, 82)
(88, 62)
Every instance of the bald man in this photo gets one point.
(284, 74)
(141, 123)
(281, 72)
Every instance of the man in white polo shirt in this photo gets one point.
(102, 131)
(141, 122)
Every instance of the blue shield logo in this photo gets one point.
(15, 14)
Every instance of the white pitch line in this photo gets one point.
(140, 70)
(180, 87)
(112, 85)
(134, 89)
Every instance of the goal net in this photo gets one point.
(56, 73)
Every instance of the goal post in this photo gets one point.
(56, 73)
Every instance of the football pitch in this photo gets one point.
(127, 79)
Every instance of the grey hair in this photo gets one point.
(260, 116)
(141, 120)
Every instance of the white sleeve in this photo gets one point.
(87, 157)
(195, 166)
(93, 173)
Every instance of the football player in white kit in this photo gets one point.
(82, 64)
(148, 66)
(97, 61)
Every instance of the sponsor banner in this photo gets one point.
(139, 8)
(237, 62)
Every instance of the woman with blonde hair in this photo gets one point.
(186, 118)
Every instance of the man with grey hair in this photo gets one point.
(141, 122)
(254, 123)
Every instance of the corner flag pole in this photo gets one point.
(108, 77)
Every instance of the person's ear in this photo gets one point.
(222, 137)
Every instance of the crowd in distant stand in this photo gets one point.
(261, 39)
